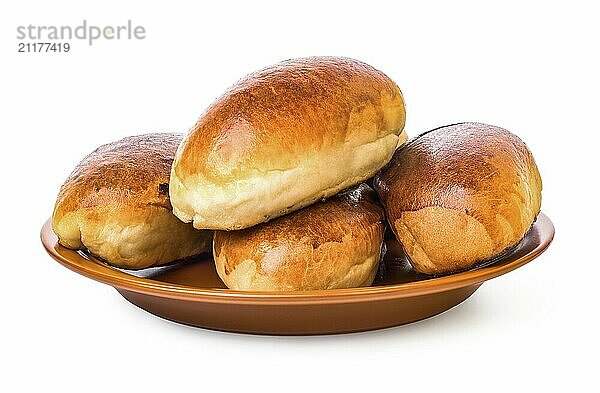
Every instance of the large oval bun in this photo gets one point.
(116, 205)
(331, 244)
(460, 194)
(283, 138)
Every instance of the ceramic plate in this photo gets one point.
(190, 292)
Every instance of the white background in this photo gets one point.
(530, 68)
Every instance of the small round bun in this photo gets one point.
(284, 137)
(116, 205)
(331, 244)
(459, 195)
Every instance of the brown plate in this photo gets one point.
(190, 292)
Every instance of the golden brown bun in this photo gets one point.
(116, 205)
(460, 194)
(331, 244)
(283, 138)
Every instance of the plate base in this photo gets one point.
(301, 319)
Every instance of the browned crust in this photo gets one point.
(482, 171)
(289, 250)
(286, 110)
(132, 172)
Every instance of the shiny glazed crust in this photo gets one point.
(331, 244)
(460, 194)
(116, 204)
(284, 137)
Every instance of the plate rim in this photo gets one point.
(121, 280)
